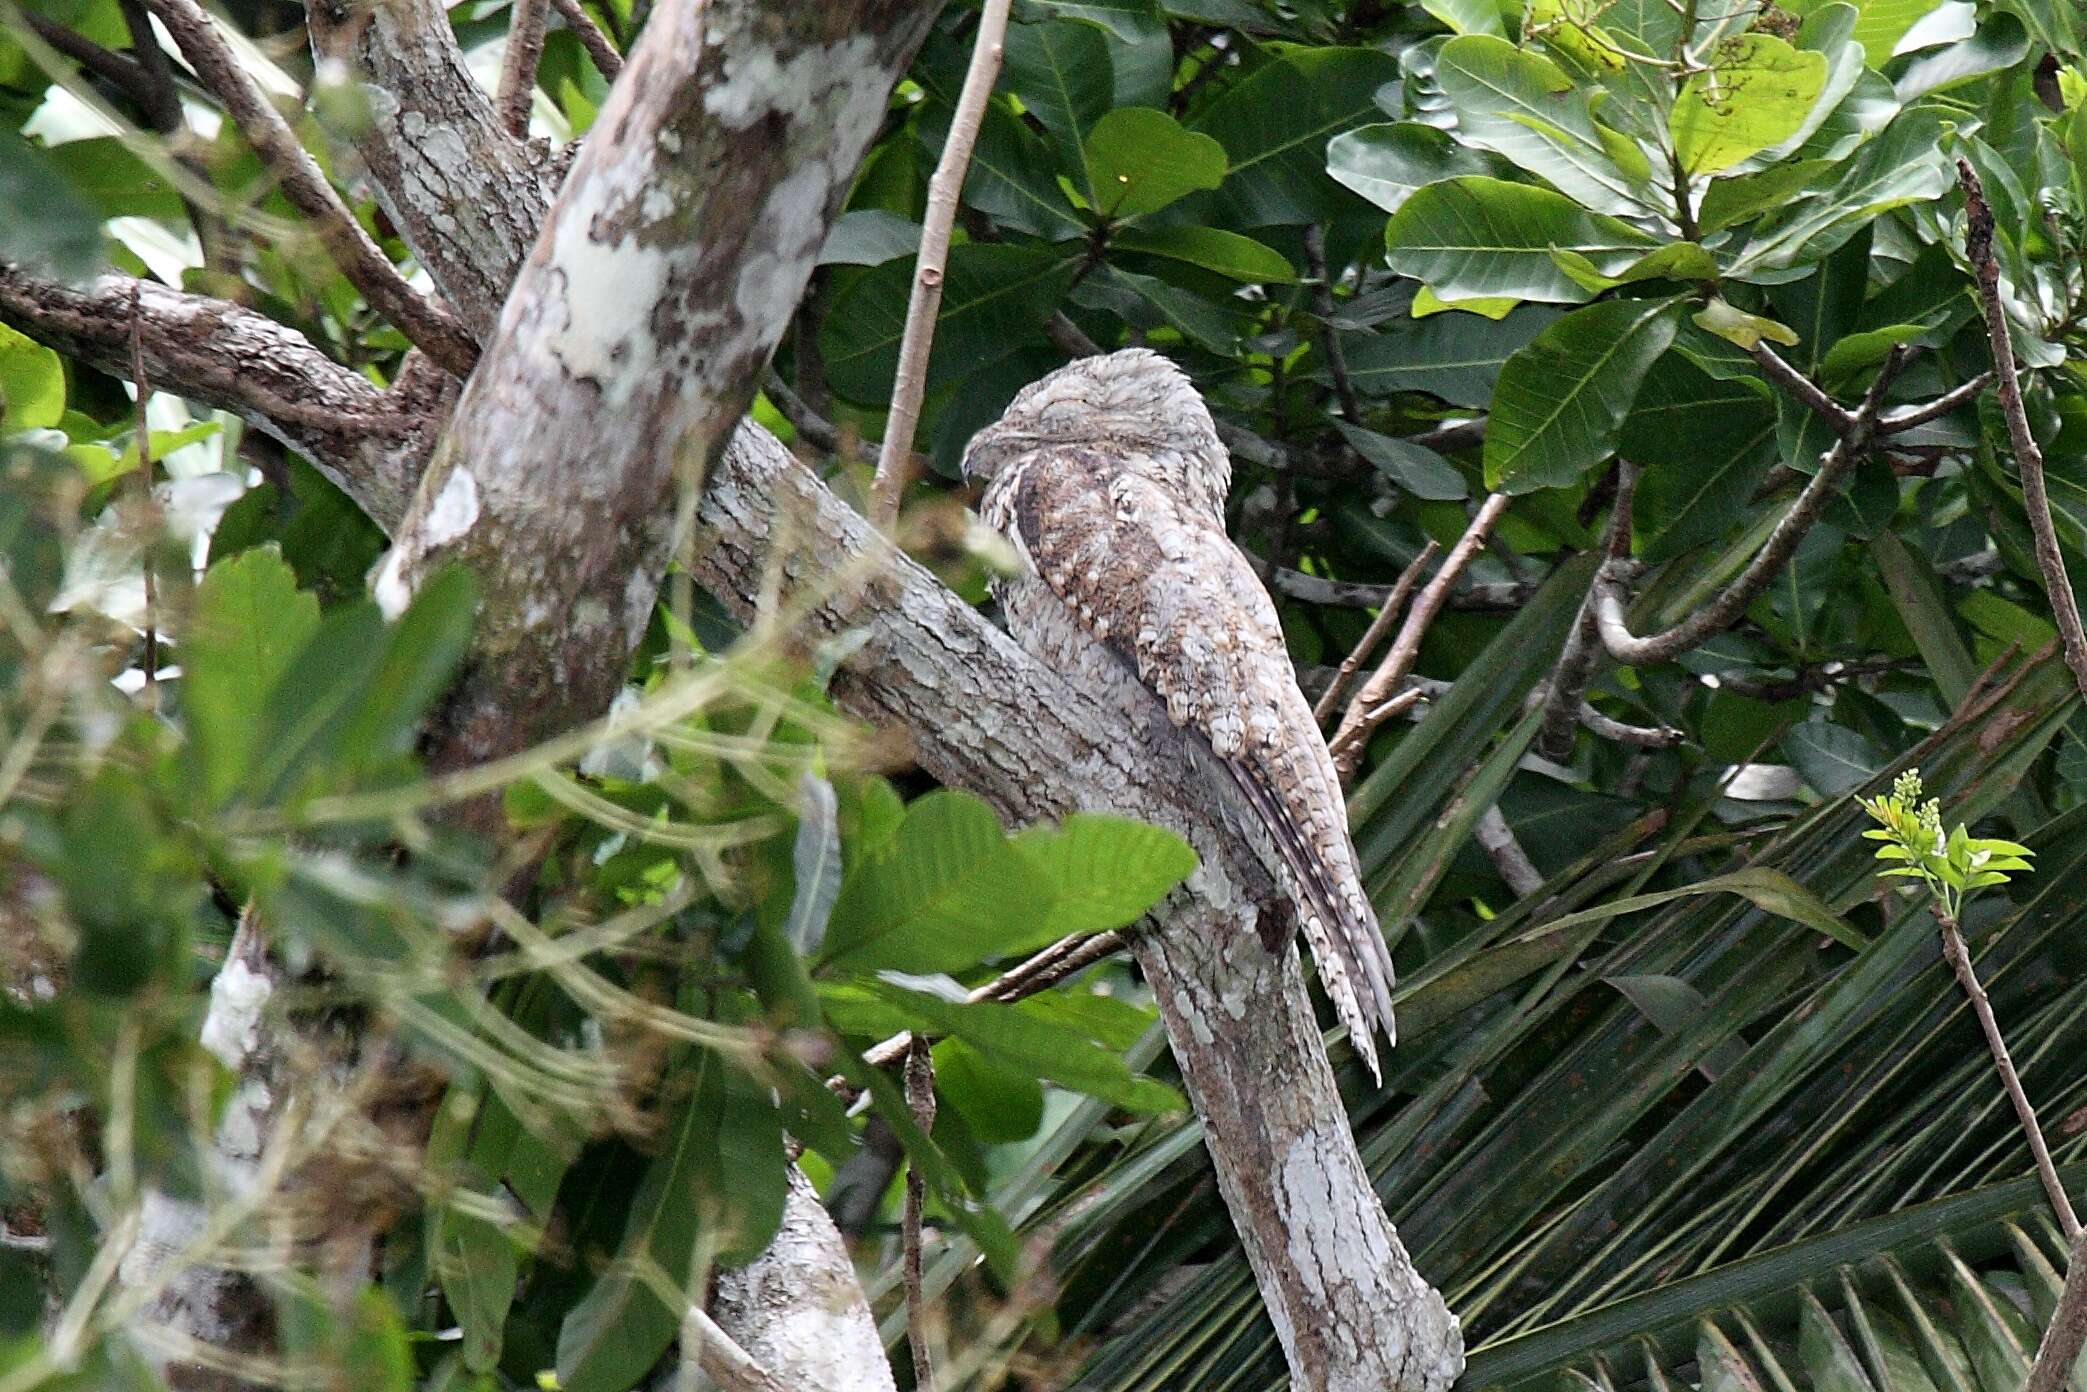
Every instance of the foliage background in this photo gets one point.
(1411, 254)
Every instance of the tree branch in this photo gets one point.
(606, 59)
(1372, 704)
(2029, 457)
(373, 444)
(909, 386)
(1567, 689)
(526, 21)
(2060, 1348)
(920, 1100)
(428, 325)
(1387, 615)
(1612, 582)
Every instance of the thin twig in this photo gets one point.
(158, 99)
(1900, 421)
(606, 59)
(1394, 601)
(920, 1100)
(1329, 341)
(1780, 372)
(429, 325)
(1356, 735)
(526, 22)
(909, 386)
(2067, 1332)
(1612, 581)
(1566, 691)
(720, 1357)
(148, 519)
(811, 427)
(2029, 459)
(1634, 736)
(1497, 839)
(1959, 958)
(1370, 707)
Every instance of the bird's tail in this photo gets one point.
(1355, 968)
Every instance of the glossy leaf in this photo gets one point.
(1474, 236)
(1562, 400)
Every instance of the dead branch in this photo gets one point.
(909, 387)
(2029, 457)
(428, 325)
(1387, 614)
(1567, 689)
(920, 1100)
(1372, 704)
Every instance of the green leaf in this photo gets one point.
(1766, 889)
(1275, 126)
(1735, 325)
(1562, 399)
(1879, 24)
(1833, 758)
(1757, 93)
(1705, 444)
(1386, 162)
(1062, 72)
(1904, 165)
(815, 864)
(1475, 237)
(869, 237)
(32, 383)
(1013, 176)
(993, 299)
(250, 621)
(1139, 160)
(1042, 1048)
(1456, 357)
(1001, 1104)
(1415, 468)
(1999, 43)
(1149, 303)
(1105, 872)
(1128, 20)
(947, 892)
(64, 238)
(1212, 248)
(1522, 105)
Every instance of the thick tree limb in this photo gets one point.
(371, 443)
(467, 197)
(2029, 456)
(429, 325)
(632, 341)
(1345, 1301)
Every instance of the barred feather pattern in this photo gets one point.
(1108, 478)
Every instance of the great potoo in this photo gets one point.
(1109, 479)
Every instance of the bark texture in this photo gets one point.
(1351, 1311)
(631, 342)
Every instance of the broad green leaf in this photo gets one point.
(869, 237)
(1903, 165)
(64, 238)
(993, 298)
(1523, 106)
(2000, 42)
(1001, 1104)
(1212, 248)
(1735, 325)
(1013, 176)
(947, 892)
(815, 864)
(1061, 70)
(32, 384)
(1139, 160)
(1705, 444)
(1105, 872)
(1042, 1048)
(1758, 92)
(1562, 399)
(1923, 607)
(1149, 303)
(1879, 25)
(1386, 162)
(1684, 261)
(1415, 468)
(1471, 16)
(1456, 357)
(1128, 20)
(1474, 237)
(1275, 126)
(1671, 1003)
(249, 623)
(1833, 758)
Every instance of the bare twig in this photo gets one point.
(2060, 1349)
(1394, 601)
(811, 427)
(125, 74)
(1371, 706)
(895, 460)
(2029, 458)
(1635, 736)
(920, 1100)
(1482, 595)
(1959, 958)
(1497, 839)
(1900, 421)
(606, 59)
(1329, 340)
(1612, 582)
(526, 21)
(1566, 691)
(427, 324)
(158, 99)
(1780, 372)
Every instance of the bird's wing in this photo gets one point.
(1165, 589)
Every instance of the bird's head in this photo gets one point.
(1134, 404)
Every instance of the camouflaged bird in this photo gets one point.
(1109, 479)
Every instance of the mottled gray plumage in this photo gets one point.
(1109, 479)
